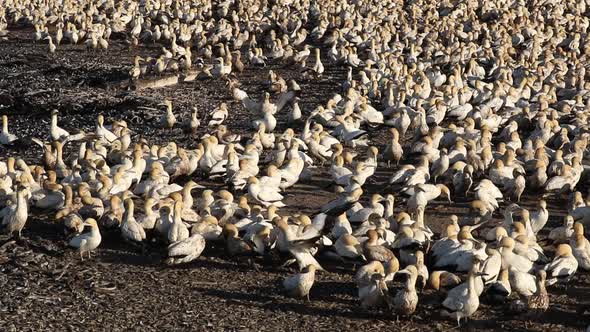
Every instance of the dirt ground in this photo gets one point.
(45, 286)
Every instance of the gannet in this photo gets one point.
(148, 219)
(298, 245)
(464, 304)
(511, 259)
(15, 216)
(342, 203)
(538, 303)
(234, 245)
(363, 214)
(208, 227)
(500, 289)
(186, 250)
(73, 224)
(563, 266)
(405, 300)
(348, 246)
(130, 229)
(299, 284)
(59, 134)
(102, 132)
(540, 217)
(5, 136)
(580, 247)
(177, 230)
(561, 234)
(88, 241)
(439, 280)
(264, 194)
(373, 251)
(372, 287)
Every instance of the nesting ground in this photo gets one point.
(46, 287)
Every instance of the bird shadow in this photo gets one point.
(276, 304)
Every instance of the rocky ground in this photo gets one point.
(45, 286)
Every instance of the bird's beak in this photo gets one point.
(495, 245)
(404, 271)
(474, 241)
(377, 276)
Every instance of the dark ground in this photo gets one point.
(46, 287)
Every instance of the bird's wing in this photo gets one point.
(453, 304)
(78, 241)
(135, 233)
(184, 247)
(291, 282)
(304, 258)
(270, 196)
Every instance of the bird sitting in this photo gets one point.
(186, 250)
(563, 267)
(405, 300)
(235, 246)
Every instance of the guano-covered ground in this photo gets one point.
(45, 286)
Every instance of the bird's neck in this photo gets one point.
(187, 197)
(54, 123)
(94, 230)
(471, 284)
(59, 154)
(411, 284)
(128, 214)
